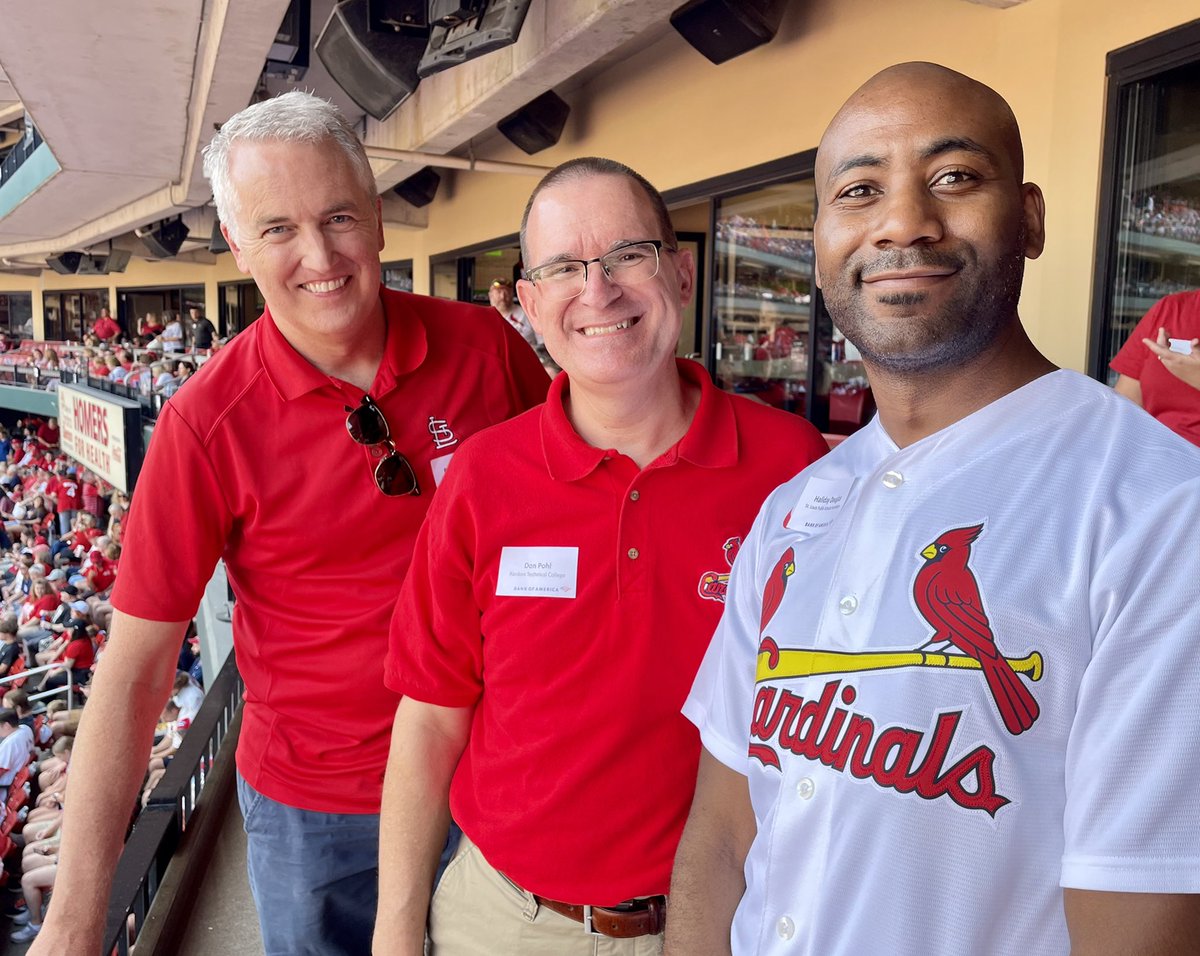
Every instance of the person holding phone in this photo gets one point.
(1159, 365)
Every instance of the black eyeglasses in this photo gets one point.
(394, 476)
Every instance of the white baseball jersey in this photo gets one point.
(961, 674)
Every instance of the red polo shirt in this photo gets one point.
(1172, 401)
(252, 463)
(579, 770)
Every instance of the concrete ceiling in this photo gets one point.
(126, 92)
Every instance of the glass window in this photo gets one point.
(16, 314)
(398, 275)
(1156, 233)
(240, 304)
(763, 293)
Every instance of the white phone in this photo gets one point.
(1182, 346)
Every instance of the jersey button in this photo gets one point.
(785, 927)
(892, 479)
(633, 554)
(634, 495)
(848, 605)
(805, 788)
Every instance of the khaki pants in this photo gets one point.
(476, 911)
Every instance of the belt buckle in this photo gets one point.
(588, 928)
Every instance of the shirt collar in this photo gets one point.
(710, 441)
(293, 375)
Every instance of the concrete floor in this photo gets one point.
(224, 922)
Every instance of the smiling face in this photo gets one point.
(310, 235)
(923, 223)
(609, 334)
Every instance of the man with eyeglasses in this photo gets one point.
(370, 391)
(544, 648)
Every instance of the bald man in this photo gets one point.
(943, 712)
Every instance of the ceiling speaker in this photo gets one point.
(65, 263)
(420, 188)
(377, 70)
(723, 29)
(165, 239)
(537, 124)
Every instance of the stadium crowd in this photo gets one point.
(61, 534)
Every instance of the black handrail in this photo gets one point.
(20, 152)
(160, 826)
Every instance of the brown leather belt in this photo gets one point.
(644, 917)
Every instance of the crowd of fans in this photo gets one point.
(155, 360)
(1172, 217)
(61, 535)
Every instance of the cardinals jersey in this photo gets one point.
(961, 674)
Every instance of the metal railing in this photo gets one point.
(151, 404)
(68, 688)
(19, 153)
(179, 811)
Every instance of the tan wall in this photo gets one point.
(678, 119)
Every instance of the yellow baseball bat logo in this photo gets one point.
(781, 665)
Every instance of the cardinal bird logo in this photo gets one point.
(777, 581)
(714, 585)
(947, 595)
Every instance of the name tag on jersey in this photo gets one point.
(439, 466)
(537, 572)
(819, 504)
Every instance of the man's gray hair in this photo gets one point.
(295, 117)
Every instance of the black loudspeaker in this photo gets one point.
(165, 239)
(723, 29)
(93, 265)
(377, 70)
(217, 243)
(65, 263)
(537, 124)
(420, 188)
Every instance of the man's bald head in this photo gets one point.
(936, 88)
(923, 222)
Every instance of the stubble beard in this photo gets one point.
(914, 340)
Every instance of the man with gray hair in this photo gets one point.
(365, 381)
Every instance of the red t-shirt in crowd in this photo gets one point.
(48, 433)
(251, 462)
(48, 603)
(106, 328)
(67, 494)
(572, 615)
(81, 651)
(1172, 401)
(102, 573)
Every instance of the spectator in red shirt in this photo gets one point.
(68, 497)
(106, 328)
(48, 433)
(103, 570)
(74, 664)
(91, 496)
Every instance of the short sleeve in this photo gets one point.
(1132, 820)
(435, 644)
(176, 529)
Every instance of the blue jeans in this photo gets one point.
(314, 876)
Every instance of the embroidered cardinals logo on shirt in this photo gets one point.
(906, 759)
(947, 595)
(714, 584)
(443, 437)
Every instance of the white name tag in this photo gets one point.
(819, 504)
(538, 572)
(439, 466)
